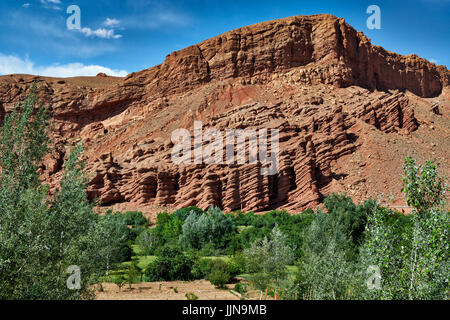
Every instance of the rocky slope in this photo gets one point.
(348, 113)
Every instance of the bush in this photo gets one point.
(246, 219)
(201, 269)
(135, 219)
(255, 227)
(133, 274)
(191, 296)
(170, 265)
(120, 281)
(219, 274)
(237, 264)
(245, 238)
(209, 250)
(241, 288)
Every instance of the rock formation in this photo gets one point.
(323, 85)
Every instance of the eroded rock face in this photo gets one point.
(321, 83)
(325, 47)
(311, 138)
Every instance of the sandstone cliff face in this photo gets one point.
(325, 47)
(312, 137)
(322, 84)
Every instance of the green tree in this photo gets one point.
(40, 236)
(72, 224)
(414, 263)
(110, 236)
(268, 258)
(211, 228)
(148, 241)
(424, 188)
(133, 274)
(23, 203)
(325, 270)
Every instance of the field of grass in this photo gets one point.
(143, 261)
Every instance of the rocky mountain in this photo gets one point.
(348, 113)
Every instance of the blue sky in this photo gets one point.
(122, 36)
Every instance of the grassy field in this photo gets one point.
(143, 261)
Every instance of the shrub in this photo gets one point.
(219, 274)
(237, 264)
(170, 265)
(247, 219)
(210, 250)
(135, 219)
(191, 296)
(241, 288)
(245, 238)
(120, 281)
(133, 274)
(201, 269)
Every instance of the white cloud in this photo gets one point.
(101, 33)
(111, 22)
(10, 64)
(156, 17)
(51, 1)
(434, 61)
(26, 5)
(51, 4)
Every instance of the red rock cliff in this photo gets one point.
(341, 105)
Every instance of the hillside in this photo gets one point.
(348, 112)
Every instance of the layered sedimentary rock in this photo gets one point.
(318, 81)
(311, 138)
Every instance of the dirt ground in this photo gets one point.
(166, 291)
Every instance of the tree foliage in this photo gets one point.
(267, 259)
(212, 227)
(170, 265)
(413, 262)
(41, 236)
